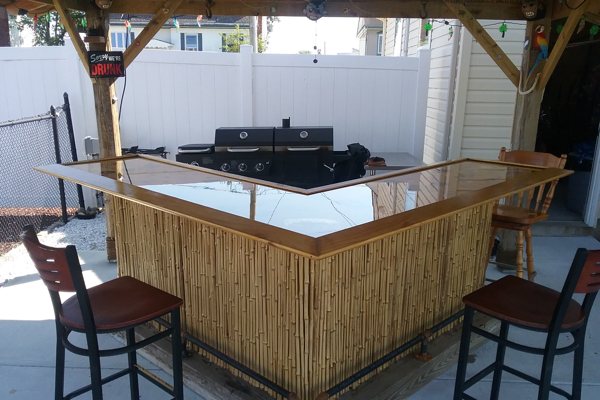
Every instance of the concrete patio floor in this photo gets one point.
(27, 342)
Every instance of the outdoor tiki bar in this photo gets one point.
(306, 288)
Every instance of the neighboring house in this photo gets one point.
(471, 103)
(370, 36)
(185, 32)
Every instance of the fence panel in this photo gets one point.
(29, 197)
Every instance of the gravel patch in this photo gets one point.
(85, 234)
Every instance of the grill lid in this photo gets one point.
(244, 139)
(304, 138)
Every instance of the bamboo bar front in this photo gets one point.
(307, 316)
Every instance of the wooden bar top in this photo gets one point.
(314, 222)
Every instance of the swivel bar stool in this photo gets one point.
(522, 303)
(117, 305)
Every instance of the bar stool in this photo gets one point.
(117, 305)
(522, 303)
(521, 211)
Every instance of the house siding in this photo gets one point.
(471, 103)
(441, 90)
(389, 36)
(485, 97)
(414, 36)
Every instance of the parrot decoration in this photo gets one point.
(540, 42)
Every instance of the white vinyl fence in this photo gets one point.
(173, 98)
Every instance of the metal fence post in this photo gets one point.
(67, 109)
(61, 183)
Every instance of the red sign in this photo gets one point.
(106, 64)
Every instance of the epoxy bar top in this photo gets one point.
(315, 213)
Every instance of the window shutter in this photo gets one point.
(223, 42)
(199, 42)
(131, 37)
(182, 40)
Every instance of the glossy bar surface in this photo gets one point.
(319, 213)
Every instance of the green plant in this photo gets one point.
(233, 41)
(48, 29)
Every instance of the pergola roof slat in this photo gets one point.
(481, 9)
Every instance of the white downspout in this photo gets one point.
(590, 215)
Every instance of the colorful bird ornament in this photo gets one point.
(540, 42)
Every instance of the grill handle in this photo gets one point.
(242, 150)
(184, 151)
(304, 148)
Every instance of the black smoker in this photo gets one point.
(296, 156)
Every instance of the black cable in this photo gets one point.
(127, 34)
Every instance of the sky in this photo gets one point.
(331, 35)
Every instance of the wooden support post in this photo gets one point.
(107, 117)
(4, 30)
(485, 40)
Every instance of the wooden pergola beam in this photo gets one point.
(482, 9)
(71, 28)
(562, 42)
(486, 41)
(160, 17)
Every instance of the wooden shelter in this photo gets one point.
(468, 12)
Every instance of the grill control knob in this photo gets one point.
(242, 167)
(243, 135)
(225, 167)
(303, 135)
(259, 167)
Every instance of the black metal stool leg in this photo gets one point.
(59, 370)
(578, 364)
(547, 366)
(500, 351)
(177, 355)
(463, 355)
(95, 369)
(132, 362)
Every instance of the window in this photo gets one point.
(191, 41)
(117, 40)
(379, 43)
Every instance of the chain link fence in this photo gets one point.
(28, 197)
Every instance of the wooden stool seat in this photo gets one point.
(516, 216)
(119, 304)
(523, 303)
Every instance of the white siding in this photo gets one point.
(414, 36)
(441, 91)
(485, 97)
(390, 26)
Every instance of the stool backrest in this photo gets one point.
(60, 270)
(51, 263)
(580, 279)
(589, 280)
(539, 198)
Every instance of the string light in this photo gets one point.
(503, 28)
